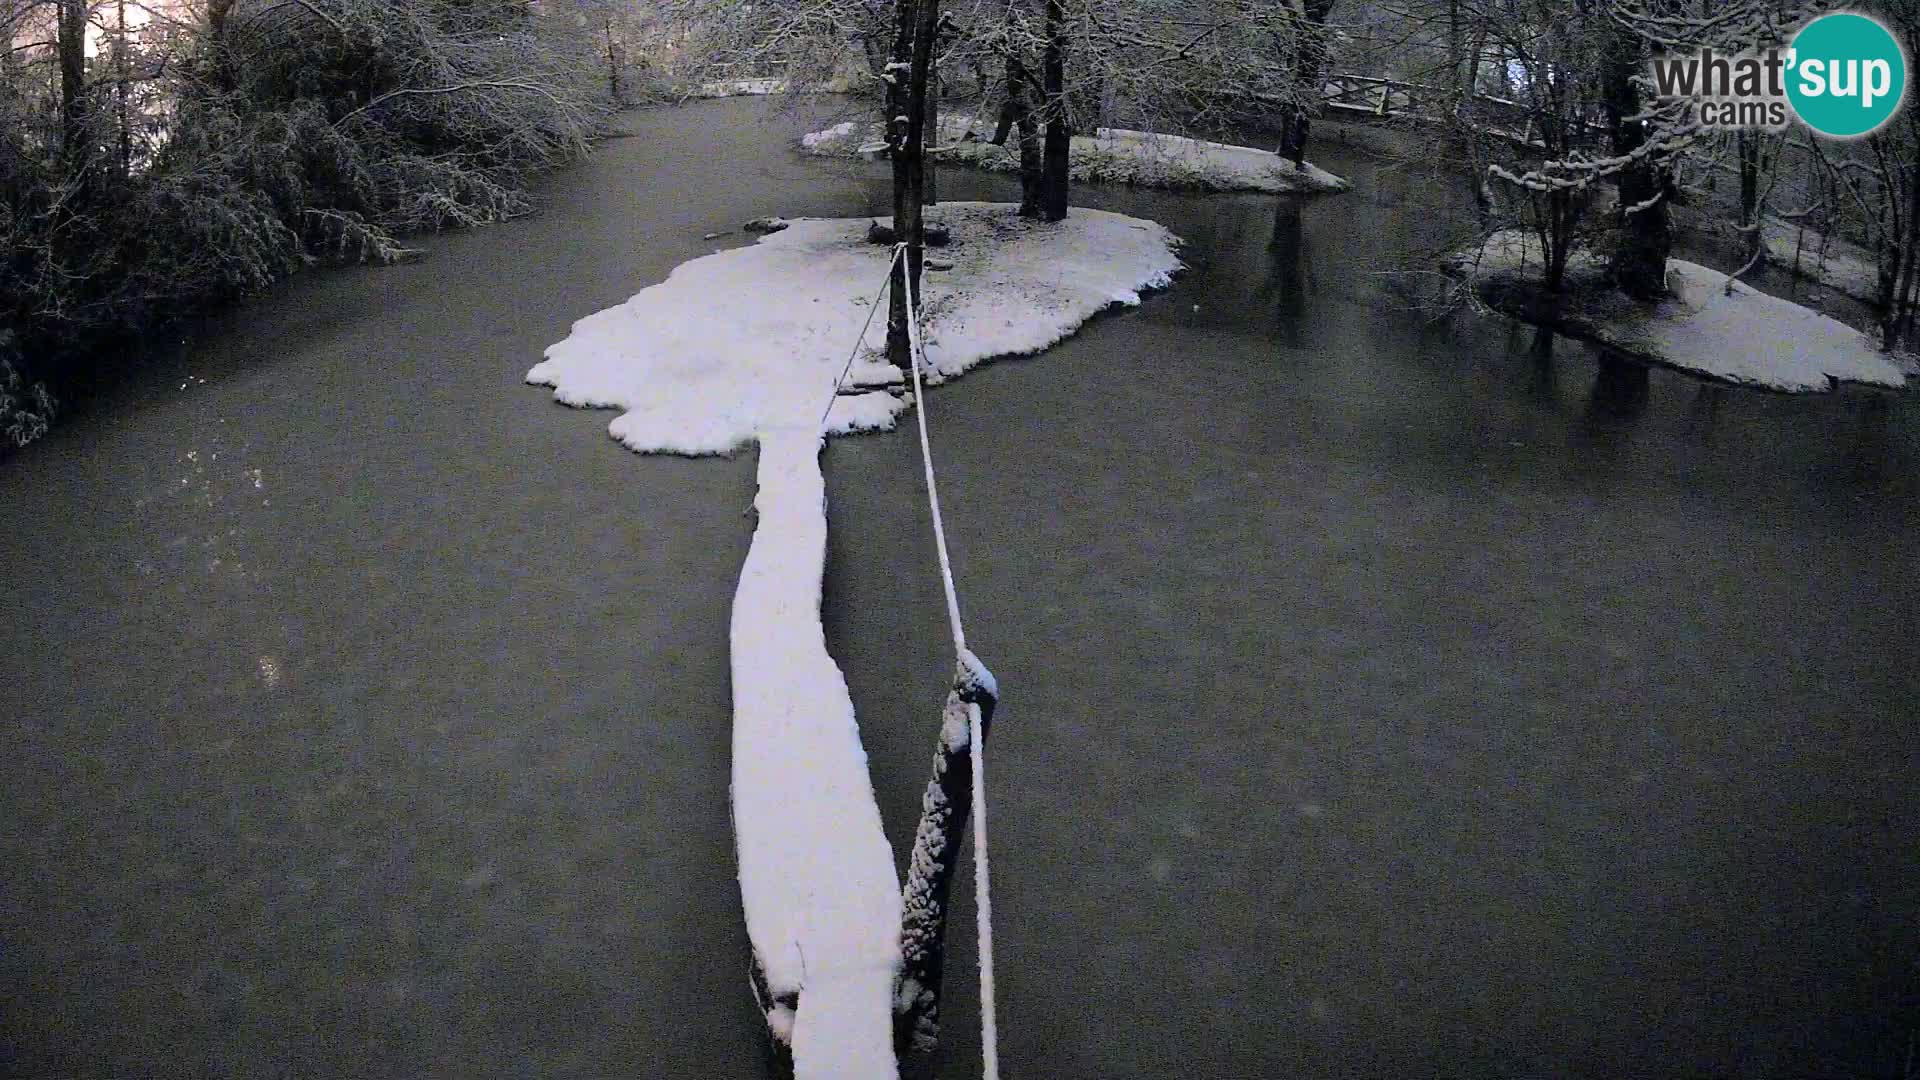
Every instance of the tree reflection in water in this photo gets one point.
(1286, 273)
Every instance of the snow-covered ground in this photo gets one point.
(1842, 266)
(1742, 336)
(1110, 155)
(746, 346)
(741, 88)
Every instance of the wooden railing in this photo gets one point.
(1371, 99)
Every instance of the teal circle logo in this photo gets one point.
(1847, 75)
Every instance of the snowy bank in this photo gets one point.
(1844, 267)
(1110, 155)
(746, 346)
(741, 88)
(1742, 336)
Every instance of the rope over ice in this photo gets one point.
(972, 679)
(983, 903)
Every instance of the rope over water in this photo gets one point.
(989, 1032)
(965, 660)
(983, 903)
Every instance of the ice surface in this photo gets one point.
(745, 346)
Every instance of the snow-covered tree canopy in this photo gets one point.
(1176, 62)
(1584, 51)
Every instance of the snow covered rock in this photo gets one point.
(1739, 335)
(747, 346)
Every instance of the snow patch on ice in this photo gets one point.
(746, 346)
(1110, 155)
(1752, 338)
(1838, 264)
(752, 339)
(780, 1020)
(816, 874)
(1741, 336)
(873, 373)
(741, 88)
(831, 140)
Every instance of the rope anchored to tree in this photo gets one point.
(958, 788)
(964, 723)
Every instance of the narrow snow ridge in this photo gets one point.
(745, 346)
(816, 874)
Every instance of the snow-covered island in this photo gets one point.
(747, 346)
(1735, 334)
(1110, 155)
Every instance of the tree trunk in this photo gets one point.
(1310, 57)
(1457, 53)
(71, 46)
(1889, 236)
(1561, 217)
(1474, 54)
(895, 72)
(1032, 156)
(1008, 109)
(930, 181)
(1899, 317)
(1016, 119)
(919, 23)
(1639, 263)
(1748, 145)
(613, 64)
(121, 90)
(1059, 139)
(221, 60)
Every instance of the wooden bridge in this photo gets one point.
(1369, 99)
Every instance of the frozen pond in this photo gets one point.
(1373, 703)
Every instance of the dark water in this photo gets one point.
(1375, 704)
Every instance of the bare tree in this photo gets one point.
(71, 48)
(1306, 47)
(906, 76)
